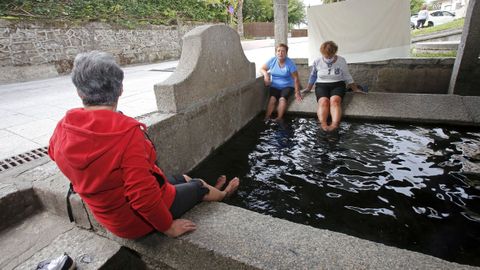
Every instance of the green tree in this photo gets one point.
(415, 5)
(128, 12)
(237, 6)
(262, 11)
(258, 10)
(296, 12)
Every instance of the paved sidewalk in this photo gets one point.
(30, 110)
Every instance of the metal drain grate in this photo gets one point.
(20, 159)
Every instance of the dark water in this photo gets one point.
(403, 185)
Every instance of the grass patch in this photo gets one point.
(435, 55)
(458, 23)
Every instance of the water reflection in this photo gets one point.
(402, 185)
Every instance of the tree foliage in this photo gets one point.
(415, 5)
(296, 11)
(258, 11)
(262, 11)
(117, 11)
(146, 11)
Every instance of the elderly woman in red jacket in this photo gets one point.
(111, 163)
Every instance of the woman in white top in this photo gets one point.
(422, 16)
(331, 78)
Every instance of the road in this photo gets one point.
(30, 110)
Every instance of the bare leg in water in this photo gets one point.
(270, 107)
(323, 110)
(282, 107)
(335, 112)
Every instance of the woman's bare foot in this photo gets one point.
(333, 126)
(220, 182)
(324, 126)
(218, 195)
(232, 187)
(278, 120)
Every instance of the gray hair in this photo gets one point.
(98, 78)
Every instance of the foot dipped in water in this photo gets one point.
(324, 126)
(232, 187)
(333, 127)
(222, 179)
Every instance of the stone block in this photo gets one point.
(252, 101)
(171, 139)
(212, 60)
(472, 104)
(184, 139)
(51, 187)
(224, 118)
(46, 236)
(418, 79)
(16, 203)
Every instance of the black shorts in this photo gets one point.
(421, 22)
(279, 93)
(188, 194)
(330, 89)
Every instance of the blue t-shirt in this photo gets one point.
(281, 77)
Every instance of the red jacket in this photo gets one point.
(111, 165)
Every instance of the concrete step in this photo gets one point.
(47, 236)
(436, 46)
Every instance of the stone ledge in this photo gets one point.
(229, 237)
(418, 108)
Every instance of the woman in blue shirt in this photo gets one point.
(281, 78)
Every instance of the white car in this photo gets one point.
(436, 17)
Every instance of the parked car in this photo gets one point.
(436, 17)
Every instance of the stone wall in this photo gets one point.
(40, 50)
(407, 75)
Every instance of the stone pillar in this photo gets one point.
(463, 80)
(280, 14)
